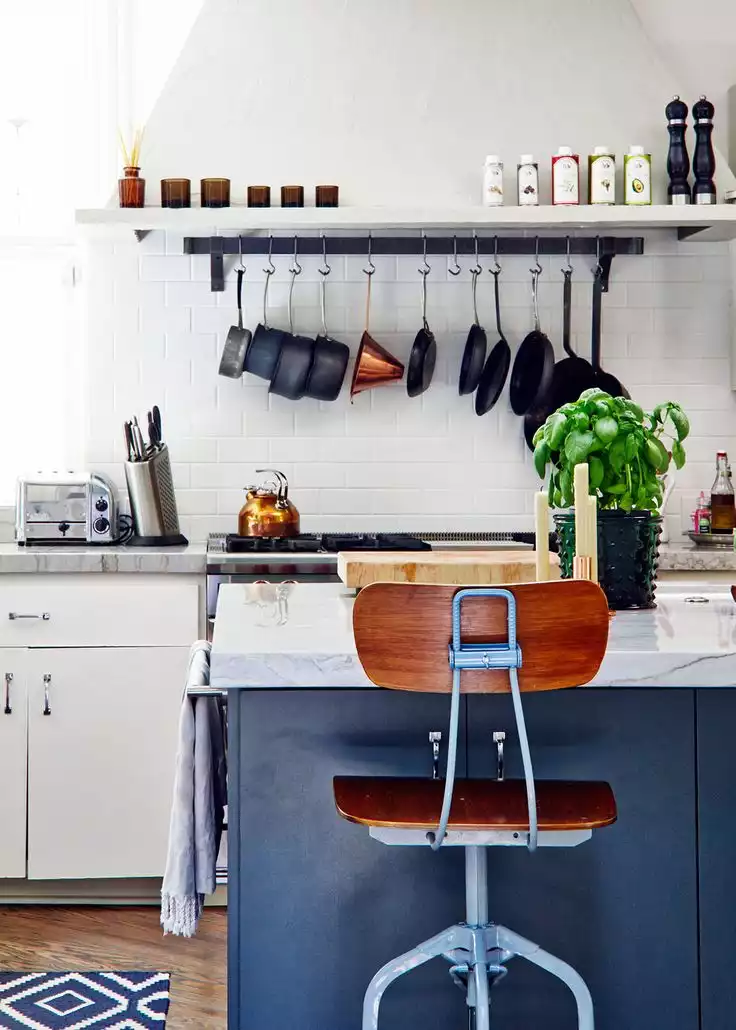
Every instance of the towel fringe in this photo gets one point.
(180, 914)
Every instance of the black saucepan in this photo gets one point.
(263, 351)
(423, 355)
(474, 355)
(534, 361)
(330, 360)
(603, 380)
(291, 374)
(496, 369)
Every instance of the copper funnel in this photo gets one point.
(374, 366)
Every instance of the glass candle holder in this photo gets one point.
(176, 193)
(132, 189)
(214, 192)
(326, 196)
(292, 196)
(259, 196)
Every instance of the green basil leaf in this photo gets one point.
(606, 428)
(539, 435)
(602, 408)
(566, 488)
(681, 423)
(678, 454)
(657, 414)
(554, 431)
(541, 456)
(580, 420)
(616, 488)
(597, 472)
(577, 446)
(616, 455)
(656, 454)
(635, 410)
(631, 447)
(594, 394)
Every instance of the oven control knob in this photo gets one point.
(101, 525)
(101, 504)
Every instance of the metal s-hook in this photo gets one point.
(496, 270)
(271, 266)
(241, 266)
(478, 267)
(455, 269)
(371, 267)
(567, 270)
(296, 268)
(325, 269)
(426, 267)
(537, 270)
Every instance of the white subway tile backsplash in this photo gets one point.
(387, 461)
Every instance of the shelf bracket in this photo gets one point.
(217, 264)
(140, 234)
(604, 263)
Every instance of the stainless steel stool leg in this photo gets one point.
(448, 940)
(520, 946)
(480, 978)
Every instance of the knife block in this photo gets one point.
(153, 502)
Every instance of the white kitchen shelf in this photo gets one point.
(717, 222)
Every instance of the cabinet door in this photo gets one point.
(622, 907)
(101, 761)
(13, 750)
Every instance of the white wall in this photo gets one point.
(396, 100)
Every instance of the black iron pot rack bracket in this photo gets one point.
(605, 247)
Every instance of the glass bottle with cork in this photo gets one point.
(722, 510)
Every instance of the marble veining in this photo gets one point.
(190, 560)
(300, 635)
(690, 558)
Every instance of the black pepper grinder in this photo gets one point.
(704, 160)
(678, 162)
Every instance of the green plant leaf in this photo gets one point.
(606, 428)
(554, 430)
(678, 454)
(580, 420)
(541, 456)
(597, 471)
(657, 414)
(566, 488)
(656, 454)
(617, 455)
(635, 410)
(681, 423)
(594, 393)
(631, 447)
(616, 488)
(539, 435)
(577, 446)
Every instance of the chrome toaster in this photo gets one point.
(66, 508)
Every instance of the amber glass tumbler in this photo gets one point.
(215, 192)
(292, 196)
(176, 193)
(326, 196)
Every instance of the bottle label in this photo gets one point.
(528, 185)
(602, 179)
(637, 180)
(493, 185)
(565, 181)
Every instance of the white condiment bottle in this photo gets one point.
(637, 176)
(565, 177)
(492, 182)
(601, 176)
(527, 181)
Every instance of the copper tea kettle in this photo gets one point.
(267, 510)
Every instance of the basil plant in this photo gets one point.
(626, 448)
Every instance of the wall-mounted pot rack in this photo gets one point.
(604, 247)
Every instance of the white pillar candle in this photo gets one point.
(593, 530)
(582, 510)
(541, 535)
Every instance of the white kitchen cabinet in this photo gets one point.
(13, 730)
(101, 761)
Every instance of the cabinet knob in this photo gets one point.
(19, 615)
(8, 681)
(46, 693)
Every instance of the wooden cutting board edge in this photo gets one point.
(449, 568)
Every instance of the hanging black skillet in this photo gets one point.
(570, 376)
(474, 355)
(424, 349)
(603, 380)
(496, 369)
(535, 358)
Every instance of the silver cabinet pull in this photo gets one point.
(19, 615)
(435, 739)
(46, 690)
(8, 681)
(499, 737)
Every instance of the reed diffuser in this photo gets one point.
(132, 189)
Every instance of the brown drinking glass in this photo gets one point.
(292, 196)
(176, 193)
(326, 196)
(259, 196)
(215, 192)
(132, 189)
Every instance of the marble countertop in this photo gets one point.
(190, 559)
(687, 557)
(301, 635)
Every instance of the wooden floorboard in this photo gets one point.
(35, 938)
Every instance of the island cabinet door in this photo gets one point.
(101, 750)
(621, 907)
(13, 761)
(315, 905)
(716, 720)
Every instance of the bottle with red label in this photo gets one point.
(565, 177)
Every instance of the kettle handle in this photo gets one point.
(282, 498)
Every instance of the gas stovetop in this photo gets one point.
(315, 543)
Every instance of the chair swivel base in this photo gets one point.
(477, 951)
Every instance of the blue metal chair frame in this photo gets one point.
(478, 949)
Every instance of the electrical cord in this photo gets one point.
(125, 528)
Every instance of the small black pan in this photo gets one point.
(294, 364)
(423, 355)
(603, 380)
(496, 368)
(232, 362)
(474, 355)
(534, 362)
(263, 350)
(330, 359)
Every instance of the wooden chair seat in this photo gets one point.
(413, 803)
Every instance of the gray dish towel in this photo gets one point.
(198, 805)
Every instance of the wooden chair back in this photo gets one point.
(402, 631)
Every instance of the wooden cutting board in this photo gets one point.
(454, 568)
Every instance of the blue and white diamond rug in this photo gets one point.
(84, 1001)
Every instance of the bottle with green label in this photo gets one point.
(637, 176)
(601, 176)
